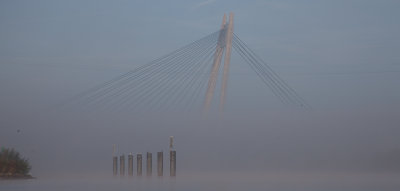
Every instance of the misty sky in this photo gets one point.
(334, 53)
(342, 56)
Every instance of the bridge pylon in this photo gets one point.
(224, 45)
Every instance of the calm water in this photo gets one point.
(215, 181)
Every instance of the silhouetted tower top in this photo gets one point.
(171, 143)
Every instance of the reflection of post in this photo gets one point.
(115, 165)
(160, 163)
(122, 165)
(130, 164)
(172, 163)
(149, 167)
(139, 164)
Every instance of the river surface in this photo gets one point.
(213, 181)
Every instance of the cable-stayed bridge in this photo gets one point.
(186, 79)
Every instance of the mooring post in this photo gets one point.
(160, 163)
(130, 164)
(115, 161)
(115, 165)
(139, 164)
(149, 166)
(172, 163)
(122, 165)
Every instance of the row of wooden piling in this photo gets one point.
(149, 166)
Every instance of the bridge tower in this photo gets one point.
(224, 44)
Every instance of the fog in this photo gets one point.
(340, 56)
(274, 141)
(287, 150)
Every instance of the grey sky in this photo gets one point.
(342, 56)
(340, 44)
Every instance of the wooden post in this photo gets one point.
(139, 164)
(160, 163)
(122, 165)
(172, 163)
(115, 165)
(149, 166)
(130, 164)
